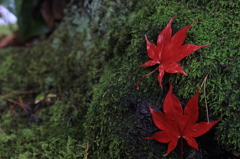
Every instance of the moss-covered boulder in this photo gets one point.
(91, 61)
(120, 113)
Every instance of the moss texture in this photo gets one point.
(90, 63)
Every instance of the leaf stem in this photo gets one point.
(181, 148)
(138, 83)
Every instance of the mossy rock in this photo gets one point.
(118, 119)
(91, 62)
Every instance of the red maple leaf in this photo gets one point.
(169, 51)
(177, 123)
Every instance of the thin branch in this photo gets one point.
(3, 132)
(204, 93)
(18, 103)
(23, 92)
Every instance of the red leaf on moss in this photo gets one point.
(177, 123)
(169, 51)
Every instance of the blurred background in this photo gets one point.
(22, 21)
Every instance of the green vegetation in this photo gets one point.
(91, 61)
(5, 30)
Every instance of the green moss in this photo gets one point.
(58, 65)
(113, 124)
(91, 61)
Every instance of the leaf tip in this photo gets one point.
(151, 109)
(198, 90)
(146, 38)
(172, 17)
(217, 121)
(160, 84)
(207, 44)
(166, 154)
(194, 21)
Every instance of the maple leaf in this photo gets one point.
(177, 123)
(169, 51)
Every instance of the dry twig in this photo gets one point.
(204, 93)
